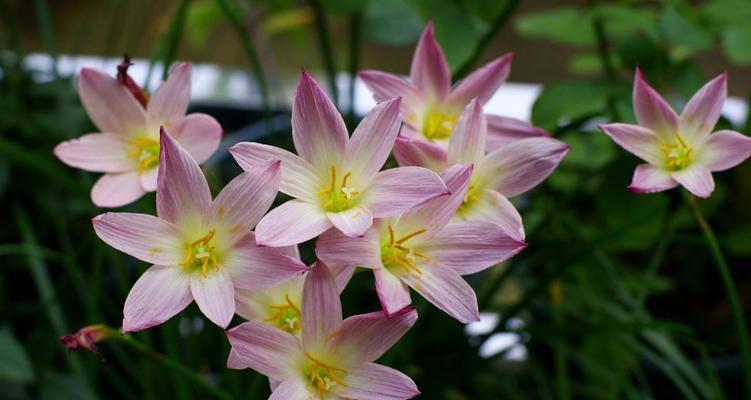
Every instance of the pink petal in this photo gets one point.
(386, 86)
(171, 98)
(419, 153)
(518, 167)
(650, 179)
(637, 140)
(482, 82)
(291, 223)
(378, 382)
(199, 134)
(430, 72)
(182, 191)
(321, 308)
(392, 292)
(467, 143)
(335, 248)
(696, 179)
(252, 266)
(398, 190)
(703, 110)
(353, 222)
(725, 150)
(299, 178)
(652, 111)
(117, 190)
(342, 275)
(293, 388)
(373, 139)
(364, 338)
(215, 295)
(159, 294)
(264, 348)
(470, 246)
(234, 361)
(149, 179)
(318, 129)
(108, 103)
(97, 152)
(504, 130)
(493, 207)
(142, 236)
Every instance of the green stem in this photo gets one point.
(355, 31)
(603, 50)
(44, 20)
(727, 280)
(172, 40)
(326, 51)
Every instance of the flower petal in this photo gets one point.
(482, 82)
(116, 190)
(392, 292)
(703, 110)
(252, 266)
(430, 72)
(652, 111)
(293, 388)
(97, 152)
(342, 275)
(504, 130)
(199, 134)
(378, 382)
(650, 179)
(149, 179)
(108, 103)
(321, 307)
(142, 236)
(637, 140)
(318, 129)
(467, 143)
(696, 179)
(291, 223)
(215, 295)
(171, 98)
(353, 222)
(234, 361)
(725, 150)
(386, 86)
(518, 167)
(364, 338)
(264, 348)
(335, 248)
(159, 294)
(493, 207)
(398, 190)
(373, 139)
(470, 246)
(419, 153)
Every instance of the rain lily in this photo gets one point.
(679, 149)
(201, 248)
(127, 149)
(336, 180)
(331, 358)
(432, 108)
(422, 250)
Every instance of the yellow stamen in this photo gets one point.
(144, 151)
(338, 196)
(678, 155)
(286, 316)
(201, 255)
(323, 377)
(396, 254)
(438, 125)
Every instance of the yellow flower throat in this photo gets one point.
(322, 377)
(201, 254)
(338, 196)
(678, 155)
(144, 151)
(285, 316)
(396, 254)
(438, 125)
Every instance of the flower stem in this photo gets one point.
(727, 280)
(327, 52)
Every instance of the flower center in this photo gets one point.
(144, 151)
(338, 196)
(438, 125)
(395, 253)
(323, 377)
(201, 254)
(472, 196)
(285, 316)
(678, 154)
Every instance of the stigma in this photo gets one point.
(201, 254)
(323, 377)
(144, 151)
(396, 253)
(677, 155)
(338, 195)
(285, 316)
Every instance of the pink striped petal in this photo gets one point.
(504, 130)
(251, 266)
(342, 275)
(215, 295)
(696, 179)
(199, 134)
(652, 111)
(142, 236)
(108, 103)
(234, 361)
(518, 167)
(291, 223)
(159, 294)
(373, 139)
(117, 190)
(467, 143)
(377, 382)
(265, 349)
(430, 72)
(386, 86)
(182, 193)
(97, 152)
(149, 179)
(318, 129)
(353, 222)
(637, 140)
(419, 153)
(725, 150)
(493, 207)
(321, 308)
(650, 179)
(392, 292)
(470, 246)
(482, 82)
(170, 100)
(703, 110)
(293, 388)
(335, 248)
(364, 338)
(398, 190)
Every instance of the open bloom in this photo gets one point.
(422, 250)
(431, 107)
(335, 181)
(127, 149)
(201, 249)
(679, 149)
(332, 358)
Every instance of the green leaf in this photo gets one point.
(201, 19)
(15, 365)
(565, 102)
(622, 20)
(345, 6)
(569, 25)
(736, 40)
(727, 11)
(393, 22)
(585, 63)
(684, 32)
(57, 386)
(454, 28)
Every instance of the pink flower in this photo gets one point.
(335, 180)
(422, 250)
(333, 358)
(201, 248)
(679, 149)
(87, 338)
(431, 107)
(127, 149)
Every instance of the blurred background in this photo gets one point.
(615, 297)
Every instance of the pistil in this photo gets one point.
(396, 254)
(678, 154)
(338, 196)
(438, 125)
(201, 254)
(285, 316)
(144, 151)
(323, 377)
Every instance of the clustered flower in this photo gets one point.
(442, 214)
